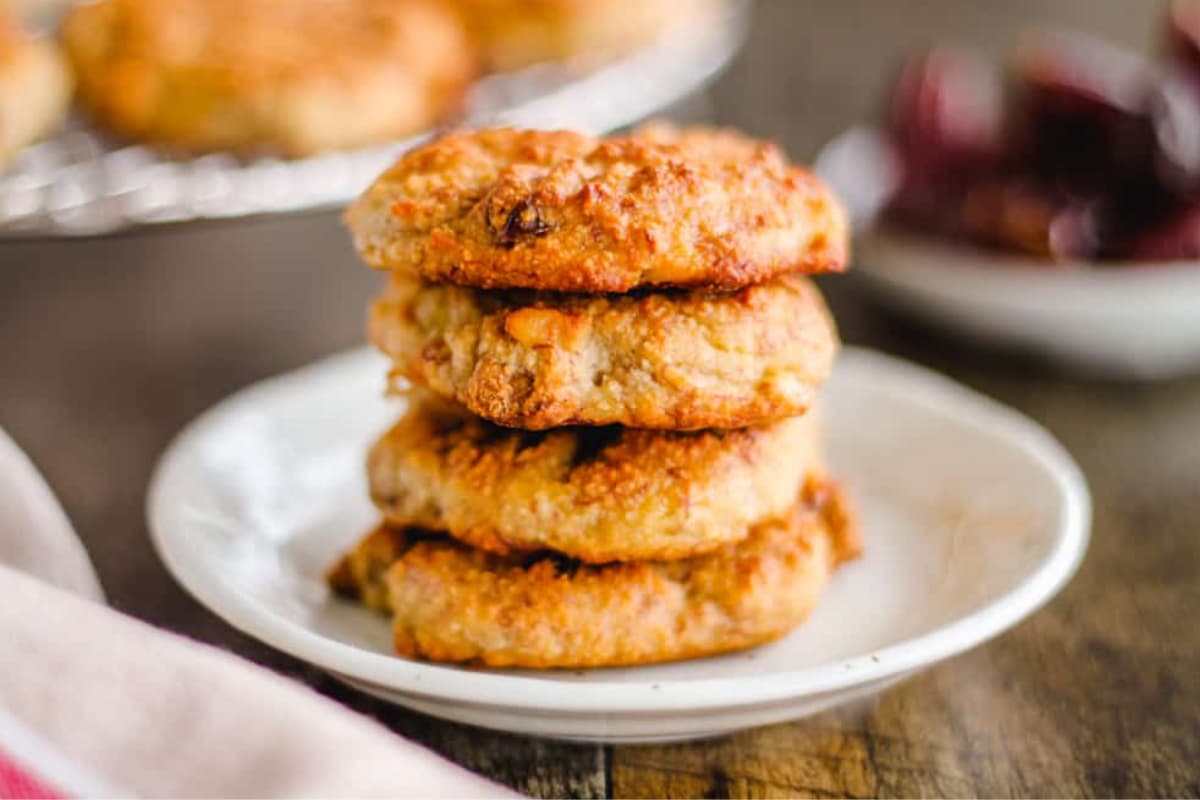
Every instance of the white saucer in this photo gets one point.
(974, 517)
(1123, 320)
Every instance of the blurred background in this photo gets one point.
(110, 345)
(812, 69)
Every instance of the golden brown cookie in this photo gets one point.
(35, 87)
(596, 494)
(450, 602)
(268, 75)
(563, 211)
(679, 360)
(514, 33)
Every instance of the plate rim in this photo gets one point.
(1015, 269)
(484, 688)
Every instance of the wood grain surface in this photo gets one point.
(108, 347)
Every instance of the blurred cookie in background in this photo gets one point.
(292, 77)
(35, 87)
(517, 33)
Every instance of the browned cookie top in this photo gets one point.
(564, 211)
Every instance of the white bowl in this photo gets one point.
(973, 518)
(1137, 320)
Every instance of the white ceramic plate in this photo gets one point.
(974, 517)
(1119, 320)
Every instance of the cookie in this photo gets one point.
(562, 211)
(450, 602)
(268, 75)
(595, 494)
(679, 360)
(35, 87)
(515, 33)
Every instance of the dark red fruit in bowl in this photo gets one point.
(929, 207)
(944, 119)
(944, 113)
(1082, 110)
(1175, 236)
(1025, 214)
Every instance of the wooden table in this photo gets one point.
(108, 347)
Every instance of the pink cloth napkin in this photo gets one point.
(94, 703)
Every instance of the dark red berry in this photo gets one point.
(1081, 115)
(1027, 215)
(943, 113)
(1176, 236)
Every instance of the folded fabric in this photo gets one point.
(35, 535)
(94, 703)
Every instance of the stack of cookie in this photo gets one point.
(612, 356)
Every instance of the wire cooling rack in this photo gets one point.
(80, 183)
